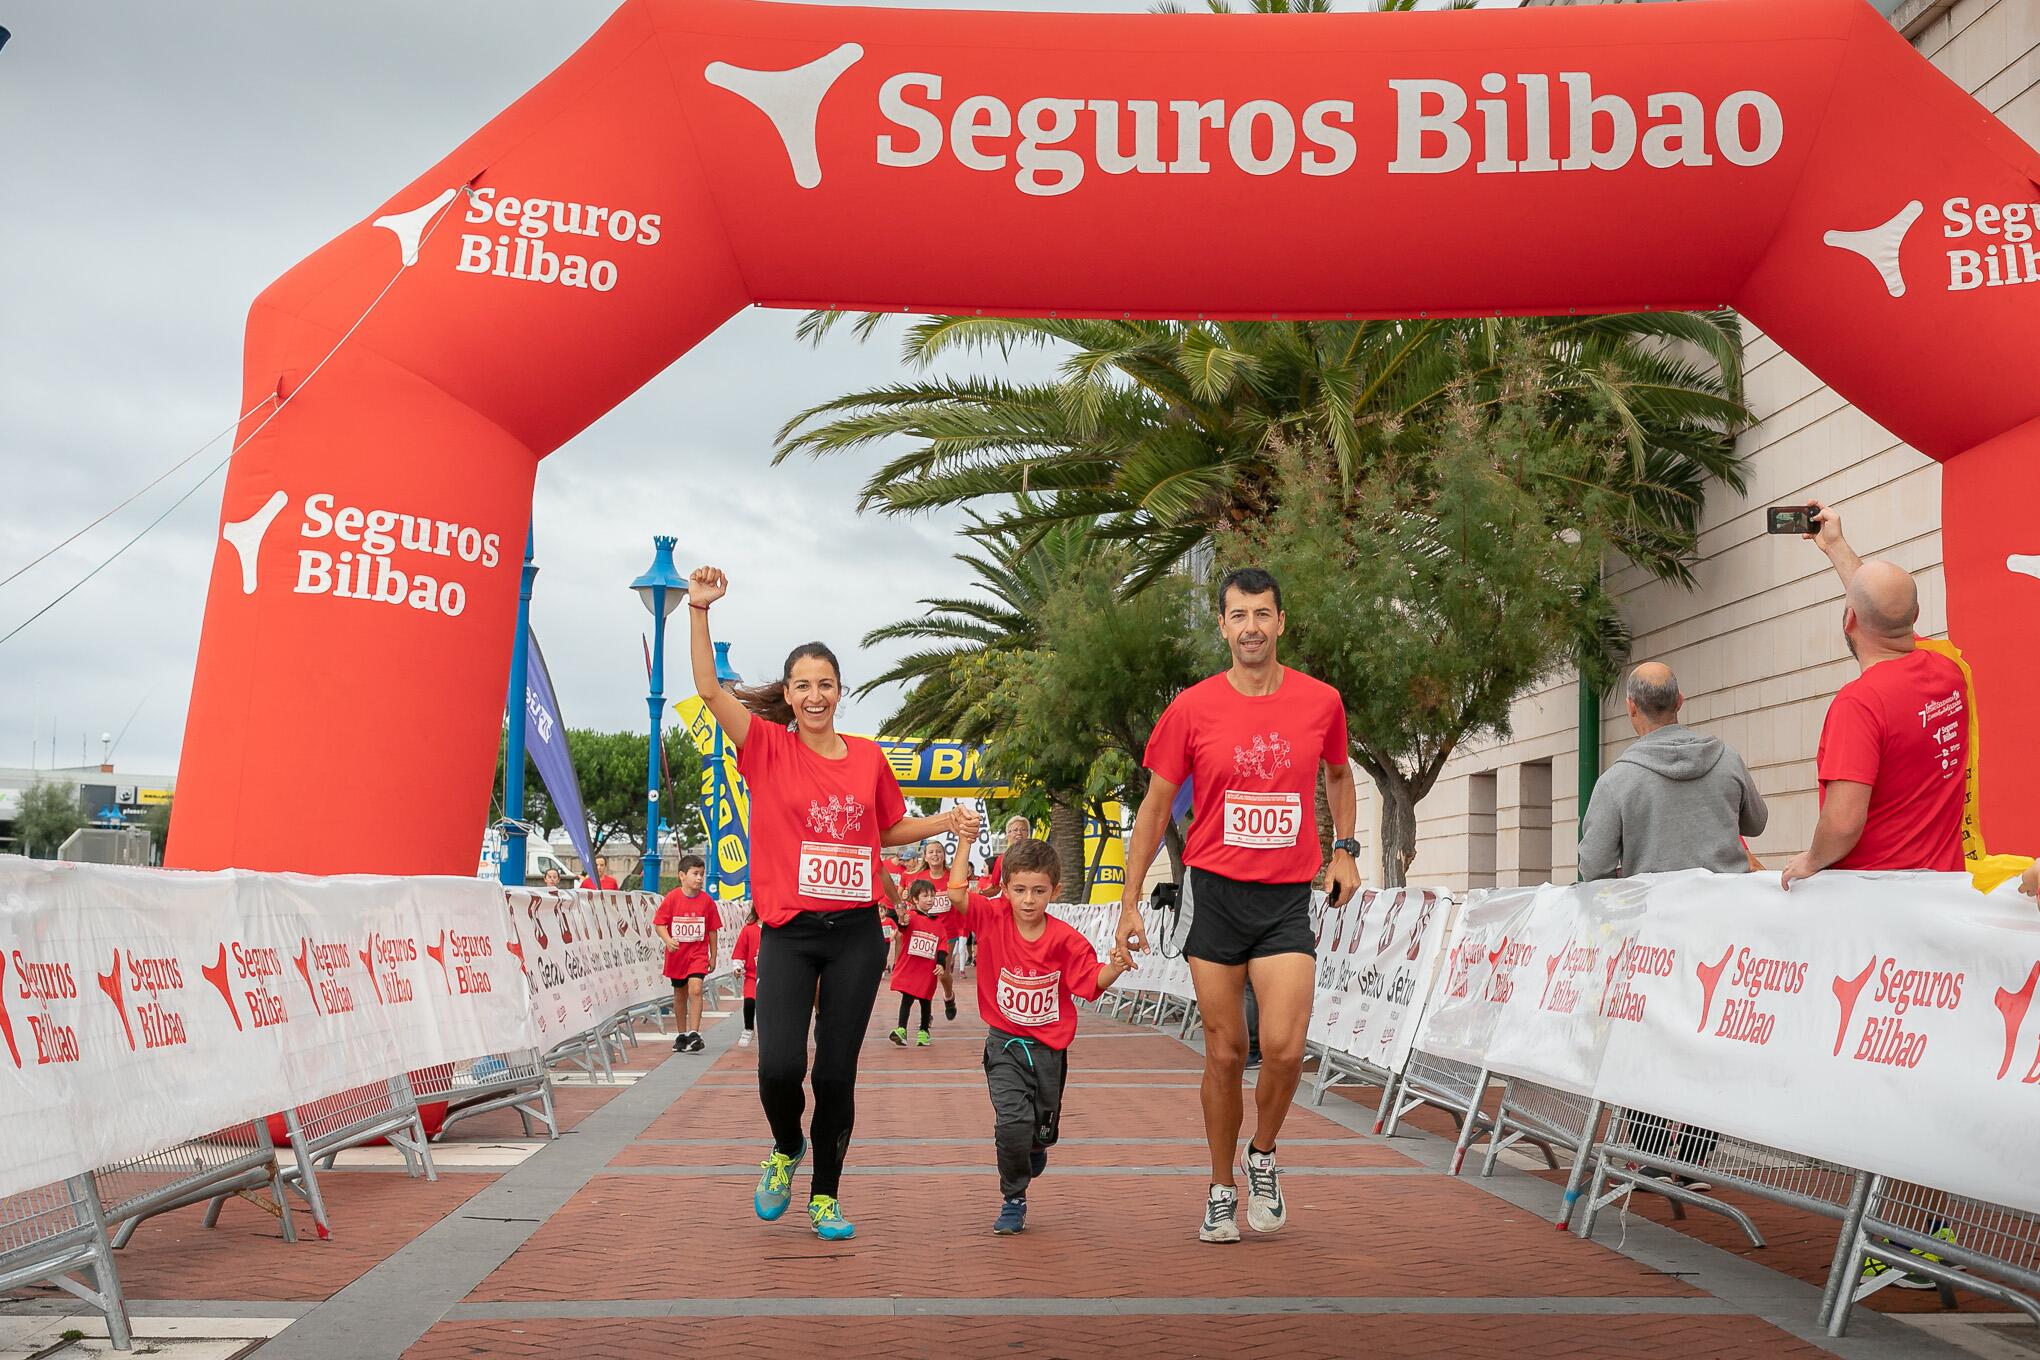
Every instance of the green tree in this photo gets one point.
(48, 814)
(610, 768)
(1160, 433)
(1435, 590)
(1087, 697)
(157, 820)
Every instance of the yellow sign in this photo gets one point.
(152, 797)
(1105, 855)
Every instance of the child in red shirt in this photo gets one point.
(913, 974)
(686, 923)
(744, 953)
(1031, 969)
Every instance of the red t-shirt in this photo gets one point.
(815, 823)
(914, 974)
(607, 884)
(1902, 727)
(693, 921)
(1253, 763)
(1025, 986)
(744, 953)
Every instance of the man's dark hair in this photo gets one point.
(691, 862)
(1031, 857)
(1249, 581)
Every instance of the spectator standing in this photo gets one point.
(1895, 745)
(1676, 799)
(601, 878)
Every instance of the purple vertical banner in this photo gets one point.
(545, 738)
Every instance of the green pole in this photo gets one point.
(1590, 743)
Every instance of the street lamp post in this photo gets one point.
(725, 675)
(662, 588)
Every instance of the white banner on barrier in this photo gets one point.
(1878, 1021)
(591, 955)
(1374, 962)
(142, 1007)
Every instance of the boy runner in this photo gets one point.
(1031, 968)
(687, 922)
(913, 976)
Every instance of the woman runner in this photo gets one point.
(822, 805)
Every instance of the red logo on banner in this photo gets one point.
(2013, 1007)
(516, 948)
(381, 958)
(7, 1025)
(1846, 992)
(109, 983)
(304, 968)
(1710, 978)
(216, 974)
(1423, 924)
(1388, 925)
(438, 955)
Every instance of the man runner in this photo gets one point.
(1250, 741)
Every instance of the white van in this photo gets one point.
(538, 857)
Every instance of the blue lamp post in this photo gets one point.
(512, 870)
(662, 588)
(725, 675)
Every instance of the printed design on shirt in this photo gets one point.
(1942, 718)
(1264, 758)
(837, 818)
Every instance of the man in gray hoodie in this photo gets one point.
(1677, 799)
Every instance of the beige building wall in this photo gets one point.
(1757, 644)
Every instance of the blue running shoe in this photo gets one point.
(1012, 1217)
(1037, 1161)
(775, 1187)
(825, 1216)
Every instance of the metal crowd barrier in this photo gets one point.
(1446, 1084)
(322, 1129)
(57, 1234)
(495, 1081)
(1952, 1240)
(1546, 1118)
(234, 1161)
(1648, 1152)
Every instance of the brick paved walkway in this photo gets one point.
(633, 1235)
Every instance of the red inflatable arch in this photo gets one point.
(1795, 158)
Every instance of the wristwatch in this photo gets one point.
(1348, 844)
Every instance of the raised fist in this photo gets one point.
(706, 585)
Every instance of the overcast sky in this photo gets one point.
(161, 165)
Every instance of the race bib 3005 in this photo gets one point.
(1262, 821)
(841, 873)
(1030, 1000)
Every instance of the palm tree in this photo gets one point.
(947, 686)
(1159, 432)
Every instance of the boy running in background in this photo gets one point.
(1031, 968)
(687, 922)
(744, 953)
(913, 974)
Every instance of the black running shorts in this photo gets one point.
(1232, 922)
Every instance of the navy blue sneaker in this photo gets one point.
(1012, 1217)
(1037, 1161)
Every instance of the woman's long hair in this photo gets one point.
(769, 701)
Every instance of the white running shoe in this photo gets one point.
(1265, 1210)
(744, 1039)
(1220, 1221)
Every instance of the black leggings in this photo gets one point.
(907, 1006)
(842, 954)
(750, 1012)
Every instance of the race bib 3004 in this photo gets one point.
(1262, 821)
(841, 873)
(922, 946)
(690, 932)
(1030, 1000)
